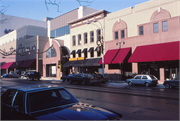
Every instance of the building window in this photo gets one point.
(141, 31)
(74, 40)
(51, 53)
(116, 35)
(156, 28)
(98, 34)
(79, 39)
(122, 34)
(164, 26)
(92, 36)
(85, 38)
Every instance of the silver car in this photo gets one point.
(147, 80)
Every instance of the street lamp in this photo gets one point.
(100, 42)
(119, 43)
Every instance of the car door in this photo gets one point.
(176, 82)
(137, 80)
(6, 105)
(143, 79)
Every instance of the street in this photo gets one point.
(134, 103)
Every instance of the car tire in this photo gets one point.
(130, 83)
(84, 83)
(167, 86)
(70, 81)
(147, 84)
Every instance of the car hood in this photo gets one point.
(78, 111)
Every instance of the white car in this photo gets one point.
(147, 80)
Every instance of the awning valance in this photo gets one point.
(14, 64)
(78, 51)
(156, 52)
(121, 55)
(83, 63)
(85, 49)
(28, 63)
(109, 56)
(72, 52)
(91, 49)
(7, 65)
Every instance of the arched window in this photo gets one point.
(51, 53)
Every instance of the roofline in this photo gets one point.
(63, 14)
(88, 16)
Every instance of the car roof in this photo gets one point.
(41, 87)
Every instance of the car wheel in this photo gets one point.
(70, 81)
(167, 86)
(84, 82)
(147, 84)
(130, 83)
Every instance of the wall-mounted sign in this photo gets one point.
(72, 59)
(80, 58)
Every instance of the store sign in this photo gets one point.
(72, 59)
(80, 58)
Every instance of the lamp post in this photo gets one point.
(119, 43)
(100, 42)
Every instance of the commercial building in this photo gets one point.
(27, 41)
(143, 40)
(9, 23)
(59, 34)
(85, 32)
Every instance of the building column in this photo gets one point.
(88, 55)
(71, 55)
(134, 69)
(95, 54)
(161, 70)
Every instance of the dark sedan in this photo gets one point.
(172, 83)
(66, 78)
(49, 102)
(6, 76)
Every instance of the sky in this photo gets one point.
(36, 9)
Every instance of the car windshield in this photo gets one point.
(49, 98)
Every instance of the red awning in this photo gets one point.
(7, 65)
(108, 57)
(14, 64)
(121, 55)
(27, 63)
(157, 52)
(3, 65)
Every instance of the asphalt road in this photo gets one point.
(134, 103)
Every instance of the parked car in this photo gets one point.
(66, 78)
(147, 80)
(32, 75)
(99, 76)
(14, 74)
(49, 102)
(6, 76)
(172, 83)
(84, 79)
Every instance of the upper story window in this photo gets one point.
(156, 29)
(79, 39)
(92, 36)
(51, 53)
(164, 26)
(116, 35)
(60, 31)
(74, 40)
(98, 34)
(141, 30)
(122, 34)
(85, 38)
